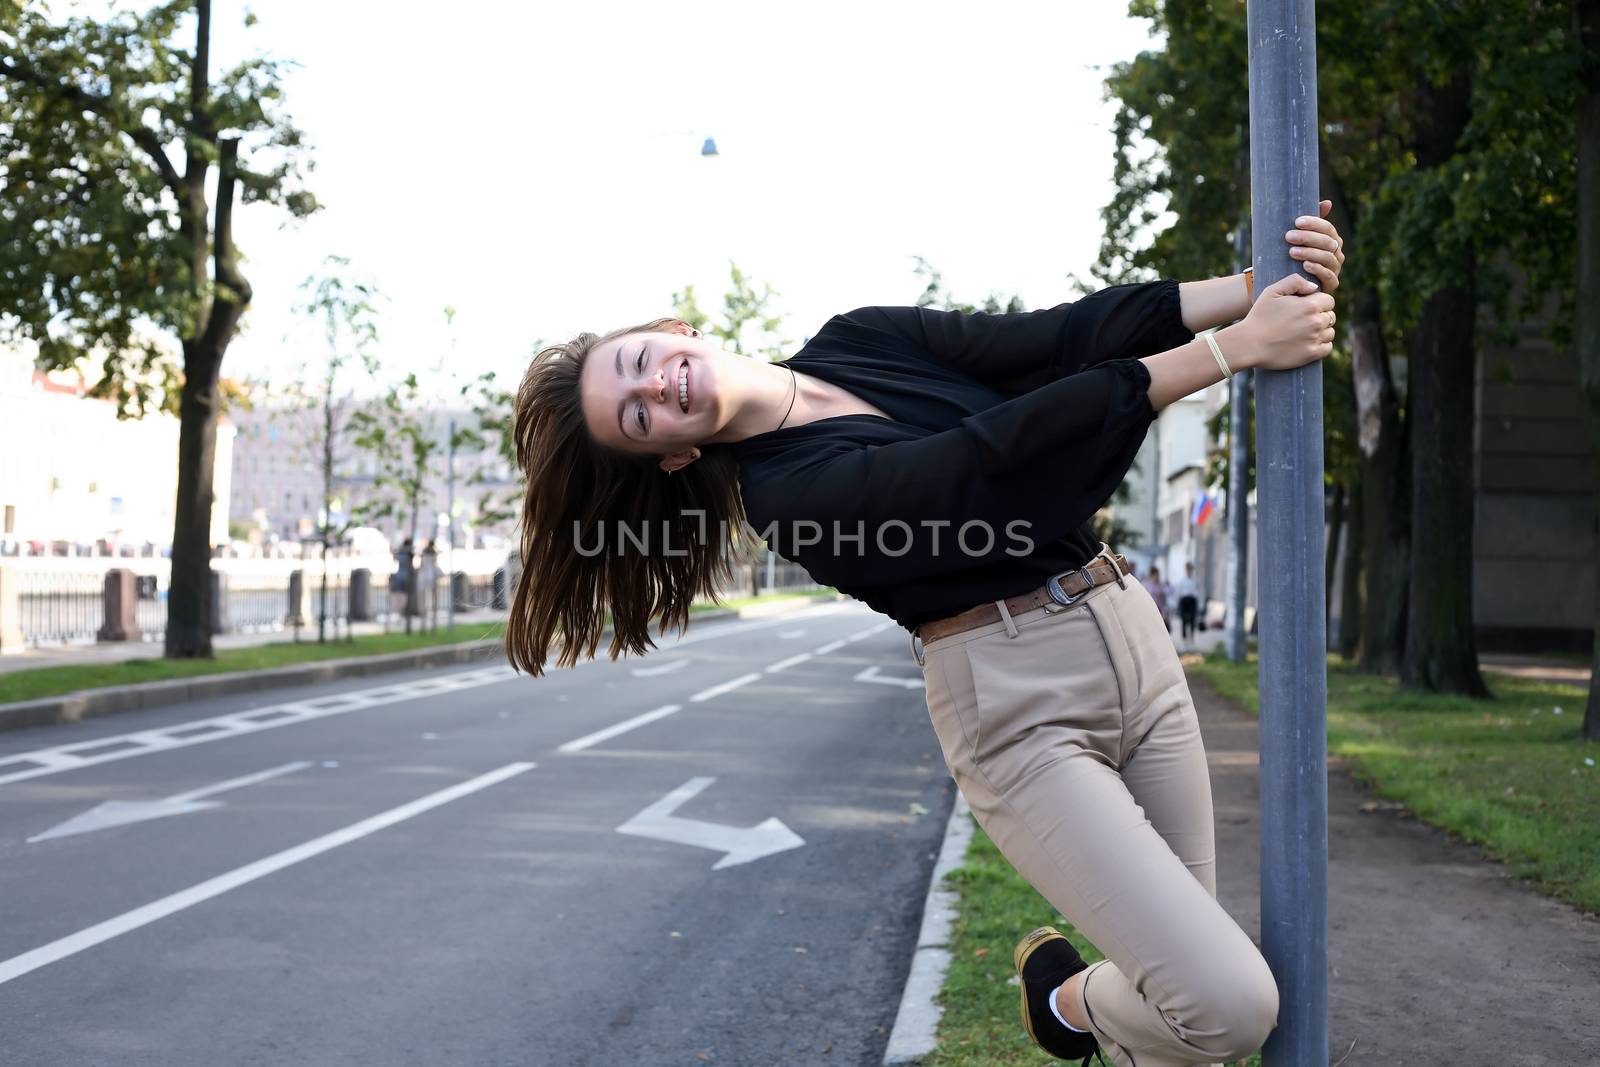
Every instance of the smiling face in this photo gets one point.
(653, 393)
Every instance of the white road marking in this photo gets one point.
(122, 812)
(871, 675)
(725, 687)
(57, 759)
(590, 740)
(789, 635)
(665, 668)
(60, 949)
(831, 646)
(143, 742)
(790, 662)
(740, 844)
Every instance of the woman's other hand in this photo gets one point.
(1290, 325)
(1317, 245)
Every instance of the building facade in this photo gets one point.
(277, 479)
(76, 480)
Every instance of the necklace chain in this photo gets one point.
(793, 392)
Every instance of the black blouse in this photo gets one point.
(1006, 434)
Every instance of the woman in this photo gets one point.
(942, 468)
(1158, 593)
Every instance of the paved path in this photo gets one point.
(1439, 958)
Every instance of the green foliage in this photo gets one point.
(400, 434)
(1507, 188)
(742, 306)
(346, 307)
(934, 295)
(111, 238)
(1181, 125)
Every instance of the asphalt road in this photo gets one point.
(714, 854)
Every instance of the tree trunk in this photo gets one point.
(189, 595)
(1385, 510)
(1330, 551)
(1350, 584)
(1586, 18)
(1441, 653)
(1379, 511)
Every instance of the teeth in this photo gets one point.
(683, 387)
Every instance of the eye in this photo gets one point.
(639, 363)
(641, 416)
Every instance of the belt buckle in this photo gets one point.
(1052, 585)
(916, 648)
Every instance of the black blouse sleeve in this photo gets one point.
(1019, 351)
(1027, 471)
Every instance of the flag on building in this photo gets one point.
(1203, 508)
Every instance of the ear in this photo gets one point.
(679, 460)
(683, 328)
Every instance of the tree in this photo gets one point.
(345, 307)
(402, 436)
(116, 233)
(1447, 151)
(1586, 30)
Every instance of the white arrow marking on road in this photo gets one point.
(665, 668)
(871, 675)
(122, 812)
(741, 843)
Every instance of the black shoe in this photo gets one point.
(1044, 959)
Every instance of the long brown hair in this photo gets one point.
(580, 488)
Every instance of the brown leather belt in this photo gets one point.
(1071, 585)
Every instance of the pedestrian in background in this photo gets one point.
(401, 586)
(429, 581)
(1158, 591)
(1188, 601)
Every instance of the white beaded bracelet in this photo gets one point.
(1215, 351)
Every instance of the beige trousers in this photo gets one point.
(1072, 735)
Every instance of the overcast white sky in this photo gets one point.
(538, 166)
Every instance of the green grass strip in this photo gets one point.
(981, 1025)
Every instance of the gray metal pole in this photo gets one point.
(450, 510)
(1293, 637)
(1238, 494)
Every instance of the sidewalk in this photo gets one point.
(118, 651)
(1437, 957)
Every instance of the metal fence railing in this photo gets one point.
(59, 607)
(474, 592)
(63, 607)
(150, 605)
(257, 610)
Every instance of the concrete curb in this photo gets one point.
(916, 1024)
(93, 703)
